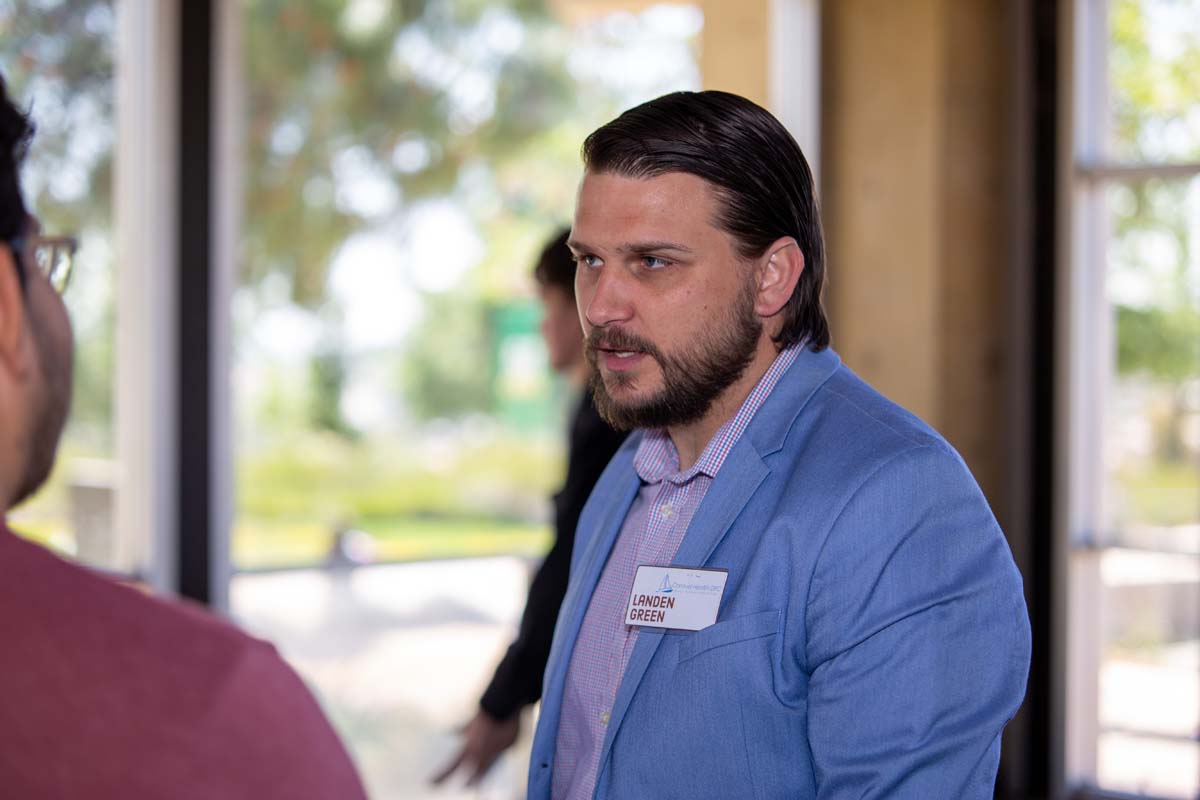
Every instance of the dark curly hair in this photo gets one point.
(16, 130)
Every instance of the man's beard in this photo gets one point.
(50, 414)
(692, 379)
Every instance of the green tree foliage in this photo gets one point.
(1156, 116)
(402, 95)
(1155, 85)
(446, 372)
(360, 110)
(1155, 101)
(355, 112)
(1165, 344)
(327, 375)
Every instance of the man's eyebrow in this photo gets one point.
(652, 247)
(635, 247)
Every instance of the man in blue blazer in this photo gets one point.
(784, 585)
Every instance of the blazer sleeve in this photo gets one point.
(517, 680)
(918, 638)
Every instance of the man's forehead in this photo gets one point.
(630, 213)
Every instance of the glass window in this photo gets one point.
(1149, 704)
(1154, 75)
(59, 61)
(404, 164)
(1135, 528)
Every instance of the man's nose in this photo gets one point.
(608, 299)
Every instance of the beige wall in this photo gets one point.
(916, 193)
(734, 47)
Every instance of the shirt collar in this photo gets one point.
(657, 459)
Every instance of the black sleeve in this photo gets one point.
(517, 681)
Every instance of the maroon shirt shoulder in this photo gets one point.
(108, 693)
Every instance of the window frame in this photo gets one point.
(1085, 344)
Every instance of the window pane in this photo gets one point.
(1149, 705)
(1149, 710)
(1152, 444)
(58, 59)
(1154, 73)
(404, 165)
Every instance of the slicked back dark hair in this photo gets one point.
(15, 132)
(555, 266)
(762, 181)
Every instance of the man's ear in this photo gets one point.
(779, 269)
(13, 347)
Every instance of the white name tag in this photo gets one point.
(681, 598)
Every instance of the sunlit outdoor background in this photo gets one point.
(397, 429)
(1139, 562)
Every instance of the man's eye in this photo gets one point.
(587, 260)
(654, 262)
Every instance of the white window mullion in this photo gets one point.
(228, 97)
(146, 245)
(794, 74)
(1083, 377)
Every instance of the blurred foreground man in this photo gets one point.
(106, 693)
(784, 585)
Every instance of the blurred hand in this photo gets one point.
(484, 739)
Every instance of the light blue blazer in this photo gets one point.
(872, 640)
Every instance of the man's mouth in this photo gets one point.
(616, 351)
(618, 361)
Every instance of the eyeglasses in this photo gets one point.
(54, 256)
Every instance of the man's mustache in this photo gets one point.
(619, 340)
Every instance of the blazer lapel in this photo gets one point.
(570, 618)
(738, 480)
(740, 476)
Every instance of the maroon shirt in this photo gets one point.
(106, 693)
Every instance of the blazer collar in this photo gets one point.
(776, 418)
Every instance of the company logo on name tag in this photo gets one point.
(681, 598)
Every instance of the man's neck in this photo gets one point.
(691, 439)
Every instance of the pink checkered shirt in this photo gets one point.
(651, 534)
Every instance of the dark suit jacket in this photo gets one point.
(518, 679)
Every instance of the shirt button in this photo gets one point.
(604, 717)
(666, 511)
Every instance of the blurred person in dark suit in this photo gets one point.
(517, 681)
(106, 693)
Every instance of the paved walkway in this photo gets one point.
(398, 655)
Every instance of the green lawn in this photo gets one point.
(268, 544)
(263, 543)
(1161, 494)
